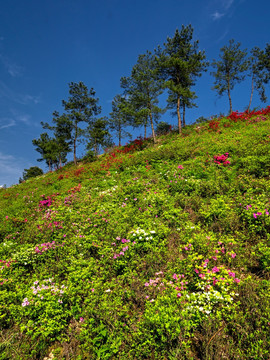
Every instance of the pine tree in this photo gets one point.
(143, 88)
(180, 64)
(81, 107)
(47, 147)
(258, 74)
(62, 129)
(98, 135)
(120, 117)
(230, 69)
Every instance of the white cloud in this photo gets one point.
(23, 99)
(217, 15)
(13, 69)
(227, 4)
(11, 169)
(6, 123)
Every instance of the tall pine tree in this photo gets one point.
(230, 69)
(81, 107)
(143, 88)
(180, 63)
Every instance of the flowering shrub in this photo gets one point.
(222, 159)
(44, 306)
(164, 255)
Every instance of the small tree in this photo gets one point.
(32, 172)
(258, 74)
(98, 135)
(265, 60)
(163, 128)
(120, 117)
(48, 149)
(80, 107)
(62, 129)
(230, 69)
(143, 88)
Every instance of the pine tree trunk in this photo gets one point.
(74, 152)
(119, 134)
(74, 148)
(179, 116)
(95, 147)
(184, 115)
(145, 127)
(152, 127)
(251, 95)
(229, 95)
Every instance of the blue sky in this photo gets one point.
(44, 45)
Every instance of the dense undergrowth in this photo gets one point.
(150, 252)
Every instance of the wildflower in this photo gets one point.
(233, 255)
(178, 295)
(215, 269)
(81, 319)
(146, 284)
(25, 302)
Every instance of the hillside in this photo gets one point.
(150, 252)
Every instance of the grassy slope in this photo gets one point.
(157, 253)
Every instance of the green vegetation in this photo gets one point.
(174, 68)
(150, 252)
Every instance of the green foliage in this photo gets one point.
(80, 107)
(32, 172)
(229, 69)
(180, 63)
(143, 88)
(146, 252)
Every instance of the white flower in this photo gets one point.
(109, 290)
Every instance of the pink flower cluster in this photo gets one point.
(125, 248)
(222, 159)
(6, 263)
(46, 202)
(46, 246)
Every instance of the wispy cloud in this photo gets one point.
(23, 99)
(10, 169)
(223, 8)
(222, 36)
(6, 123)
(13, 69)
(227, 4)
(14, 119)
(217, 15)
